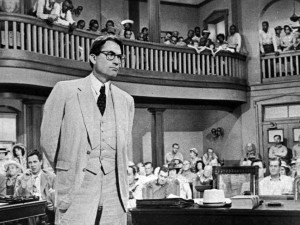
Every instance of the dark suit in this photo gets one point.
(70, 132)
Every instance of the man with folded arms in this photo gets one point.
(275, 184)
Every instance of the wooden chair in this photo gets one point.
(233, 180)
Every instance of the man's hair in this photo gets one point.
(164, 169)
(258, 160)
(197, 28)
(148, 163)
(100, 42)
(277, 135)
(275, 160)
(266, 22)
(221, 35)
(37, 153)
(175, 144)
(92, 22)
(144, 28)
(134, 170)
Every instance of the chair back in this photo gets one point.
(235, 180)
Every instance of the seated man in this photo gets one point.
(135, 187)
(174, 177)
(161, 187)
(149, 172)
(37, 182)
(278, 151)
(276, 184)
(63, 10)
(186, 171)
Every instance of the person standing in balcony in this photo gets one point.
(189, 39)
(63, 10)
(86, 133)
(127, 24)
(197, 34)
(94, 26)
(288, 40)
(278, 30)
(267, 40)
(43, 9)
(234, 39)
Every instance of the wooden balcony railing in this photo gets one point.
(26, 33)
(282, 67)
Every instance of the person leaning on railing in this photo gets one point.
(267, 40)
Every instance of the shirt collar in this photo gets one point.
(96, 85)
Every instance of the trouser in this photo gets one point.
(95, 190)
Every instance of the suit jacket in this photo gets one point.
(47, 183)
(69, 134)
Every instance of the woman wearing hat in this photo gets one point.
(12, 169)
(18, 151)
(3, 153)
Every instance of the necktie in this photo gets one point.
(101, 102)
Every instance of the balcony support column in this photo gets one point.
(157, 136)
(154, 20)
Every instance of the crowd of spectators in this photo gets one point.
(22, 176)
(177, 175)
(274, 40)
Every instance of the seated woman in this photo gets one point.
(12, 172)
(199, 168)
(210, 157)
(18, 151)
(287, 41)
(250, 154)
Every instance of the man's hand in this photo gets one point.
(50, 206)
(53, 17)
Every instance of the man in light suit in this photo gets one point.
(86, 134)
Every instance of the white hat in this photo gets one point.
(11, 162)
(127, 21)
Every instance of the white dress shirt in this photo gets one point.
(96, 85)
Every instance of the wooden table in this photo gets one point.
(21, 211)
(288, 214)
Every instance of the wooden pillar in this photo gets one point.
(33, 123)
(157, 136)
(154, 20)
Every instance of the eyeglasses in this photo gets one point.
(111, 56)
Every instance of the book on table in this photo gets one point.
(245, 202)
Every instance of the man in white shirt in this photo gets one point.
(63, 10)
(149, 172)
(174, 154)
(43, 9)
(275, 184)
(234, 39)
(267, 39)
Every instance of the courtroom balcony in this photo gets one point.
(35, 54)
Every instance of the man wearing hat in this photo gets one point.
(3, 153)
(12, 169)
(127, 24)
(278, 30)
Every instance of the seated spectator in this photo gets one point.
(209, 157)
(189, 39)
(2, 185)
(267, 40)
(10, 6)
(206, 178)
(204, 40)
(181, 42)
(135, 187)
(3, 153)
(174, 176)
(222, 45)
(186, 171)
(43, 9)
(161, 187)
(63, 10)
(18, 151)
(293, 168)
(94, 26)
(175, 34)
(287, 40)
(234, 39)
(127, 34)
(285, 169)
(194, 157)
(127, 26)
(261, 173)
(12, 172)
(168, 36)
(276, 184)
(278, 30)
(250, 154)
(199, 168)
(171, 41)
(278, 151)
(34, 181)
(80, 24)
(109, 26)
(197, 34)
(174, 154)
(149, 172)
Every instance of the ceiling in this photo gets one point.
(190, 2)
